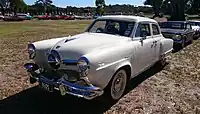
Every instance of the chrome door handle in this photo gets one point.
(154, 44)
(155, 41)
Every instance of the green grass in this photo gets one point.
(14, 36)
(40, 29)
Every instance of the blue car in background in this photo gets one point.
(24, 16)
(180, 32)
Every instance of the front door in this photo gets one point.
(157, 41)
(189, 32)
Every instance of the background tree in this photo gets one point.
(194, 7)
(17, 6)
(100, 4)
(3, 6)
(175, 8)
(156, 5)
(12, 6)
(46, 4)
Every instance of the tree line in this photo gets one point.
(175, 8)
(46, 6)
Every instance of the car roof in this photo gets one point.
(127, 18)
(176, 21)
(193, 21)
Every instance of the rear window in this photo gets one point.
(155, 29)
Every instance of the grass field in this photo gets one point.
(14, 37)
(169, 90)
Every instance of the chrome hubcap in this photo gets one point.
(117, 84)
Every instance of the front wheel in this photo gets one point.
(117, 85)
(183, 43)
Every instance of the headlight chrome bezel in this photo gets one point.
(177, 37)
(83, 66)
(31, 51)
(54, 59)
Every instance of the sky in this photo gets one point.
(83, 3)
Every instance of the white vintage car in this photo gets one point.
(111, 51)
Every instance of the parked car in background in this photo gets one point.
(44, 17)
(24, 16)
(196, 27)
(89, 17)
(13, 18)
(1, 17)
(56, 17)
(69, 17)
(111, 51)
(79, 17)
(180, 31)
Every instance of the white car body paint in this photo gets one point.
(107, 53)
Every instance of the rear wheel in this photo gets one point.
(117, 85)
(162, 61)
(191, 41)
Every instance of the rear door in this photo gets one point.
(144, 51)
(156, 33)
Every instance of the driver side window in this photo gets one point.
(143, 28)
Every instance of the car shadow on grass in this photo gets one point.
(144, 76)
(38, 101)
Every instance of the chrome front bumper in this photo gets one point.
(88, 92)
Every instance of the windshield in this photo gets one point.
(122, 28)
(173, 25)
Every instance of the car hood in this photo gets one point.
(173, 31)
(76, 46)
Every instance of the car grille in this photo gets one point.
(69, 75)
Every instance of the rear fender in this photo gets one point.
(166, 46)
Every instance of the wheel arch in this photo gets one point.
(127, 67)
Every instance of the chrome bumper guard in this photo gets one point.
(88, 92)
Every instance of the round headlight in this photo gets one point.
(83, 67)
(31, 51)
(178, 37)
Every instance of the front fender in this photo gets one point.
(42, 49)
(104, 74)
(122, 64)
